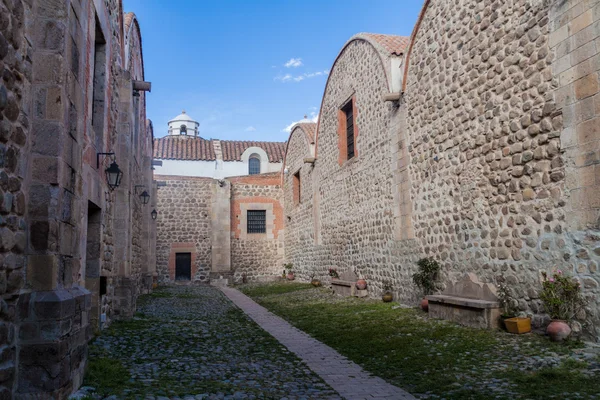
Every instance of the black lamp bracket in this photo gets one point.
(138, 186)
(102, 154)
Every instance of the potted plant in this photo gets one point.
(507, 304)
(387, 292)
(561, 295)
(333, 273)
(314, 281)
(290, 272)
(427, 278)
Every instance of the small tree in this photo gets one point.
(427, 276)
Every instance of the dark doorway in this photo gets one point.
(93, 281)
(183, 266)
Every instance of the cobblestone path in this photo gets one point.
(191, 342)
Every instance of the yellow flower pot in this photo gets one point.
(518, 325)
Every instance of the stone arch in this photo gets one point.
(383, 56)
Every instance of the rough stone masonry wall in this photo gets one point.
(257, 256)
(184, 209)
(15, 68)
(486, 142)
(357, 209)
(299, 218)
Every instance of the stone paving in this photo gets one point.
(346, 377)
(191, 342)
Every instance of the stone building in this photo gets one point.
(475, 142)
(75, 251)
(207, 190)
(183, 152)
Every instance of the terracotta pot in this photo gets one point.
(361, 284)
(315, 282)
(425, 304)
(558, 330)
(518, 325)
(387, 297)
(290, 276)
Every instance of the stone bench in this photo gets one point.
(345, 285)
(467, 302)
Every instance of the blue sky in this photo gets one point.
(224, 61)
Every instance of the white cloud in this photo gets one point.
(314, 117)
(250, 129)
(293, 63)
(301, 77)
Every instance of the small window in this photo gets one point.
(254, 165)
(349, 119)
(296, 185)
(183, 130)
(257, 221)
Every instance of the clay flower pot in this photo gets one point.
(387, 297)
(558, 330)
(290, 276)
(361, 284)
(425, 304)
(315, 282)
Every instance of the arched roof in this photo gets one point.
(387, 46)
(131, 22)
(309, 129)
(412, 43)
(183, 117)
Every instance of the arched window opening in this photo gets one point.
(183, 130)
(254, 164)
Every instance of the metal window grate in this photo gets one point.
(253, 166)
(349, 129)
(257, 221)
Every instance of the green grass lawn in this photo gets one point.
(430, 358)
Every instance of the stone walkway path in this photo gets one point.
(190, 343)
(346, 377)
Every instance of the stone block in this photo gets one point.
(53, 305)
(586, 86)
(42, 272)
(588, 131)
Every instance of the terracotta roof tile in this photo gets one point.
(198, 149)
(233, 149)
(309, 128)
(393, 44)
(175, 148)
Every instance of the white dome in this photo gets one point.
(182, 117)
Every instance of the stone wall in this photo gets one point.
(299, 218)
(256, 256)
(184, 223)
(15, 124)
(65, 96)
(352, 221)
(488, 163)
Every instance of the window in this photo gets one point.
(99, 86)
(254, 165)
(349, 119)
(257, 221)
(183, 130)
(296, 188)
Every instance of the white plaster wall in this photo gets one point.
(192, 128)
(209, 169)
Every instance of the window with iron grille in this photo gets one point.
(254, 165)
(257, 221)
(348, 112)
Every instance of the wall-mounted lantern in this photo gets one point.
(145, 197)
(114, 175)
(154, 214)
